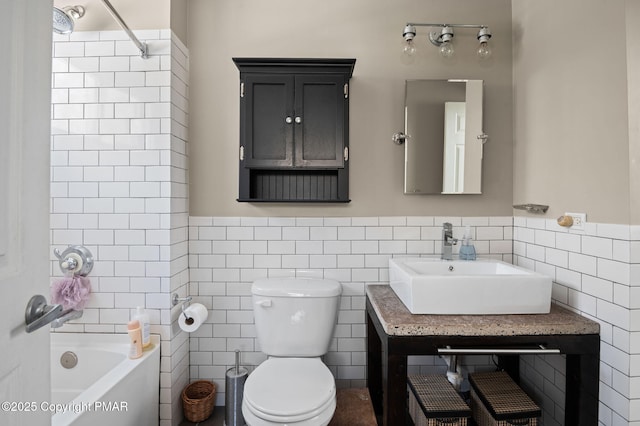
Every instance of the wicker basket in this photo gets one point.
(433, 402)
(496, 400)
(198, 400)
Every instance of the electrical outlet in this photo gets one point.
(579, 220)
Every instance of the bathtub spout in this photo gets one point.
(69, 314)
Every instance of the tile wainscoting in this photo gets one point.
(226, 254)
(595, 273)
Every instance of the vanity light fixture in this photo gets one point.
(443, 39)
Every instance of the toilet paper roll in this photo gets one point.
(196, 314)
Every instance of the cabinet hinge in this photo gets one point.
(241, 153)
(242, 90)
(346, 153)
(346, 90)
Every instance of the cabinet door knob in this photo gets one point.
(298, 120)
(288, 120)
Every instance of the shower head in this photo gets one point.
(64, 19)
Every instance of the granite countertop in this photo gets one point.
(398, 321)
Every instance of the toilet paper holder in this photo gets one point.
(185, 301)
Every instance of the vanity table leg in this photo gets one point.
(394, 379)
(582, 382)
(374, 366)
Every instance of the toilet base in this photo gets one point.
(321, 419)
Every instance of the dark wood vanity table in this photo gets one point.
(393, 333)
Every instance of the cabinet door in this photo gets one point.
(267, 131)
(319, 121)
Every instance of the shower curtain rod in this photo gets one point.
(144, 51)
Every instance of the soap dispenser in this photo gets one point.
(467, 250)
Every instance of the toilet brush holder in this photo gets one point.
(234, 390)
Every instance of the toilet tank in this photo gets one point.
(295, 316)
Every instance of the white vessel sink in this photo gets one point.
(462, 287)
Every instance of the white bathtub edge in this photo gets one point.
(74, 409)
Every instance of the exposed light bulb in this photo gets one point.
(409, 52)
(484, 51)
(446, 49)
(410, 48)
(444, 41)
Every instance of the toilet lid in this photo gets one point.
(289, 387)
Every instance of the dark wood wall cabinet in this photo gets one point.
(294, 129)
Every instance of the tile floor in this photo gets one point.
(216, 419)
(354, 409)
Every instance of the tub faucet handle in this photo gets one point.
(75, 260)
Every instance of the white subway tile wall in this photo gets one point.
(119, 184)
(596, 273)
(227, 253)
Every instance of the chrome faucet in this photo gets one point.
(447, 241)
(39, 313)
(68, 315)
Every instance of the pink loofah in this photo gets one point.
(71, 292)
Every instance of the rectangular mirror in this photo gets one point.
(443, 137)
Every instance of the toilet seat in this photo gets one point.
(289, 390)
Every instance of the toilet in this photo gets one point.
(294, 320)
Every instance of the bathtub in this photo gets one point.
(105, 387)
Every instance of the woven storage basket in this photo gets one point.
(198, 400)
(496, 400)
(434, 402)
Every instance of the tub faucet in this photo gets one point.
(39, 313)
(68, 315)
(447, 241)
